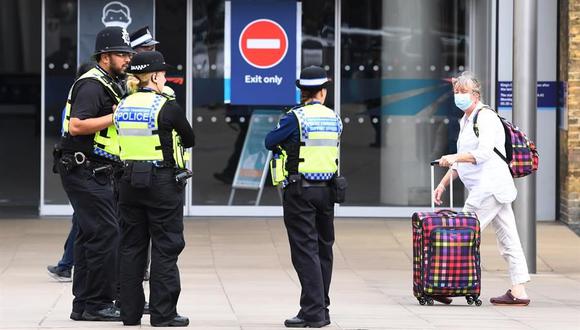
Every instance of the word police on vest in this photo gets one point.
(257, 79)
(142, 115)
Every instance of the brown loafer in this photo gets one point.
(509, 300)
(443, 300)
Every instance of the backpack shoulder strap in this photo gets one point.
(476, 131)
(475, 128)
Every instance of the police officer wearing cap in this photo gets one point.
(307, 140)
(142, 40)
(87, 150)
(153, 131)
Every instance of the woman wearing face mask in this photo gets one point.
(153, 131)
(488, 180)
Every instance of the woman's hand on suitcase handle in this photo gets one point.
(448, 160)
(438, 193)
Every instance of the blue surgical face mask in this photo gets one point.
(463, 100)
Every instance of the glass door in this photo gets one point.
(221, 128)
(59, 59)
(397, 58)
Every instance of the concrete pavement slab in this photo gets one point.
(236, 273)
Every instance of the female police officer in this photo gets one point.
(153, 131)
(308, 135)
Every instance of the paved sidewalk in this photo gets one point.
(236, 274)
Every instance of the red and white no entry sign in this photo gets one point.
(263, 43)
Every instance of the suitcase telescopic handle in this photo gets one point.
(433, 164)
(446, 212)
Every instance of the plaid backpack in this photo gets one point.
(521, 153)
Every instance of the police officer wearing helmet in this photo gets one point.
(305, 144)
(153, 130)
(86, 153)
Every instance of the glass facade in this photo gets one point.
(221, 128)
(396, 58)
(60, 70)
(396, 98)
(20, 90)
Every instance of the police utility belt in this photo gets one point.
(70, 161)
(140, 172)
(338, 184)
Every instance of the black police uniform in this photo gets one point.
(91, 193)
(154, 213)
(308, 217)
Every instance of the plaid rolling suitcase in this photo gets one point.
(446, 260)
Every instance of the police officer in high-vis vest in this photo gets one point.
(305, 144)
(153, 131)
(142, 41)
(87, 152)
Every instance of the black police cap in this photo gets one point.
(142, 37)
(148, 62)
(113, 39)
(313, 78)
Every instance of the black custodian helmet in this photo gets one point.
(113, 39)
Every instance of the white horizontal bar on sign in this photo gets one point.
(263, 43)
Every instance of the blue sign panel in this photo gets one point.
(547, 94)
(262, 58)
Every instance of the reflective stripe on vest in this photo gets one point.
(105, 143)
(320, 130)
(137, 120)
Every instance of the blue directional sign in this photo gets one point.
(262, 52)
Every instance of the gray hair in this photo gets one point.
(467, 80)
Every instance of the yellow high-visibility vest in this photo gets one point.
(105, 143)
(137, 122)
(320, 130)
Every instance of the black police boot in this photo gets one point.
(59, 273)
(76, 316)
(177, 321)
(110, 313)
(145, 307)
(297, 322)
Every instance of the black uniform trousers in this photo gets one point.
(95, 247)
(154, 213)
(309, 220)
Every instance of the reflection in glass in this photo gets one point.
(397, 105)
(60, 68)
(19, 107)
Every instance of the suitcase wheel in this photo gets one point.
(471, 300)
(426, 301)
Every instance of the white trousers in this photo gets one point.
(508, 240)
